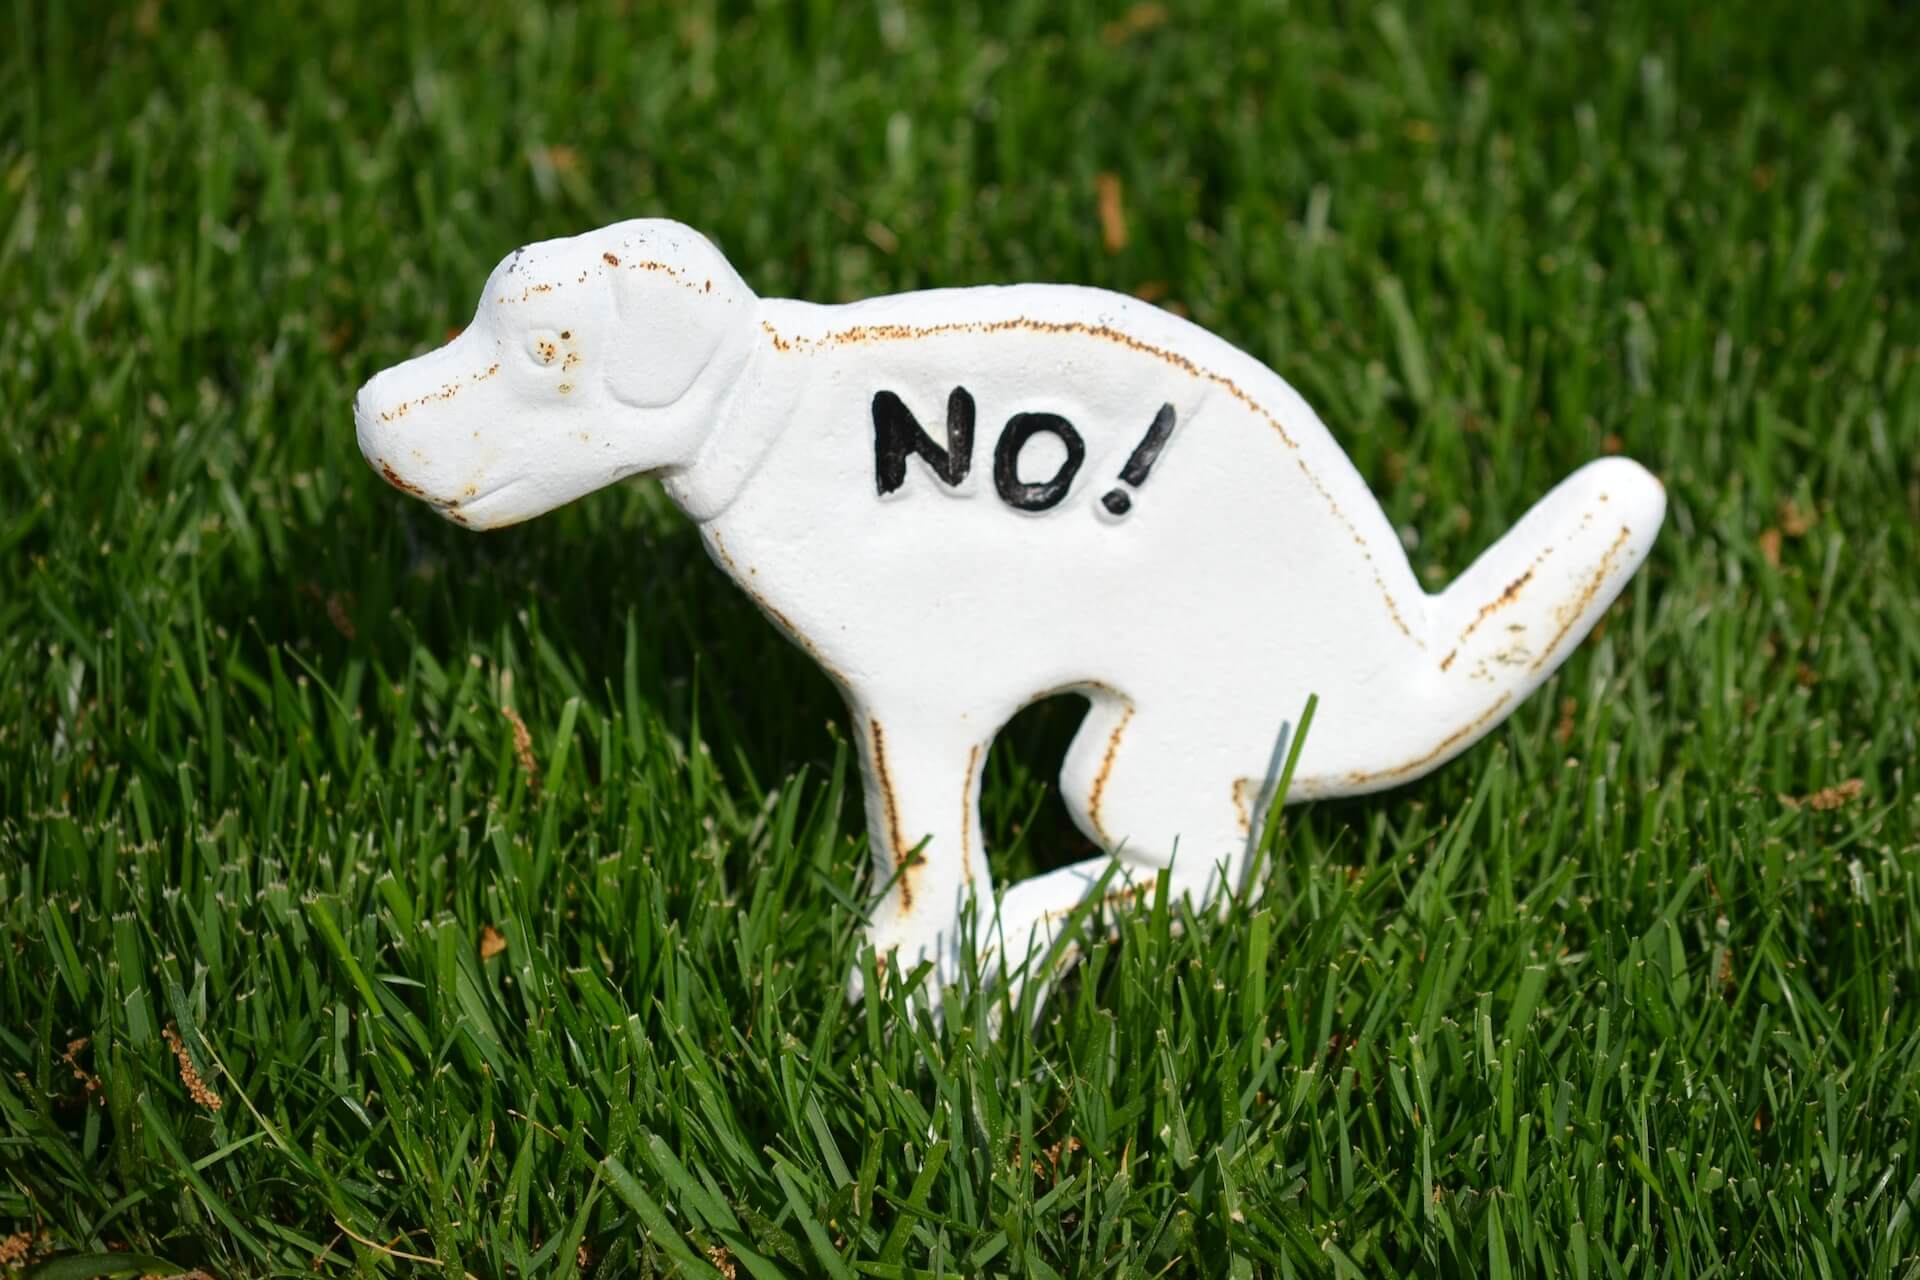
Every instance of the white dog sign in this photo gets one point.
(960, 501)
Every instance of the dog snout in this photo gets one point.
(365, 428)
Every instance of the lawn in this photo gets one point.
(377, 897)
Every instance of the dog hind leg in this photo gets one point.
(1153, 802)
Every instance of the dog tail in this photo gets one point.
(1513, 617)
(1506, 624)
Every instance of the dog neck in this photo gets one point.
(739, 433)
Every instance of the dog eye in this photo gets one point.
(543, 347)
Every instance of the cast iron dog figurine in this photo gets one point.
(960, 501)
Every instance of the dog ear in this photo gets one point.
(675, 299)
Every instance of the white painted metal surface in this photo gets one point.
(960, 501)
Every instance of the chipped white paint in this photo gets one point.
(1195, 595)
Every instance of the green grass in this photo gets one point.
(1599, 999)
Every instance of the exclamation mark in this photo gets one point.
(1140, 462)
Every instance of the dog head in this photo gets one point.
(589, 359)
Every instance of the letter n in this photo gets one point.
(896, 434)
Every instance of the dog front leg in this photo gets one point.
(922, 775)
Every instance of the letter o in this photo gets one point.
(1021, 428)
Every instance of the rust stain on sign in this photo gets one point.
(779, 619)
(863, 334)
(1499, 602)
(611, 260)
(966, 813)
(392, 477)
(1569, 613)
(446, 392)
(1361, 778)
(1100, 779)
(901, 854)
